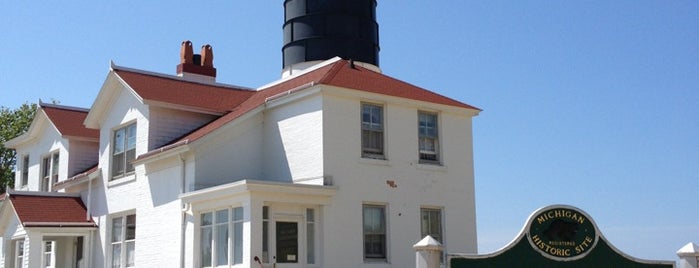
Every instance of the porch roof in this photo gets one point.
(35, 209)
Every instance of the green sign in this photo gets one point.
(557, 236)
(562, 233)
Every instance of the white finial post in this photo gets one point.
(689, 256)
(427, 253)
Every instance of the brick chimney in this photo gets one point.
(196, 67)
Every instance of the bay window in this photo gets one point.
(221, 237)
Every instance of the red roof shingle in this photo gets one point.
(218, 99)
(338, 73)
(50, 211)
(69, 120)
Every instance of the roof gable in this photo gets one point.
(174, 90)
(69, 120)
(43, 210)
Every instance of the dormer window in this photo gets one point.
(49, 171)
(25, 171)
(124, 151)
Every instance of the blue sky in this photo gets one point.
(593, 104)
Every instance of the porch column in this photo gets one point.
(427, 253)
(33, 248)
(689, 256)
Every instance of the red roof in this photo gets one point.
(340, 74)
(37, 210)
(69, 120)
(220, 99)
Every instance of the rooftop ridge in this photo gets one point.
(11, 192)
(63, 107)
(114, 67)
(301, 73)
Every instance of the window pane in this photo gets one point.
(310, 243)
(374, 246)
(130, 156)
(54, 164)
(205, 244)
(206, 218)
(119, 141)
(116, 255)
(221, 244)
(237, 214)
(118, 164)
(238, 242)
(130, 227)
(222, 216)
(130, 252)
(117, 227)
(131, 137)
(373, 219)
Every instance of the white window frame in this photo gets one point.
(121, 240)
(24, 175)
(233, 224)
(49, 171)
(265, 234)
(311, 256)
(373, 125)
(384, 233)
(126, 154)
(428, 230)
(428, 134)
(48, 257)
(19, 247)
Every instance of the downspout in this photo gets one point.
(183, 227)
(89, 198)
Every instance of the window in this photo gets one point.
(265, 234)
(123, 241)
(216, 243)
(372, 131)
(428, 137)
(19, 253)
(374, 217)
(310, 236)
(49, 259)
(25, 171)
(431, 223)
(49, 171)
(124, 150)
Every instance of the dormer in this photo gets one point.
(56, 147)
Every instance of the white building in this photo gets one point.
(334, 165)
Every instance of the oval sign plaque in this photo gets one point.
(562, 232)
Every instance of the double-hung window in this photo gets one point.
(374, 221)
(49, 258)
(19, 253)
(25, 171)
(428, 137)
(372, 131)
(124, 150)
(123, 241)
(221, 240)
(431, 223)
(49, 171)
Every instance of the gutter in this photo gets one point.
(59, 224)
